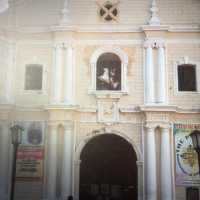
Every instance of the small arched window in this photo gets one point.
(108, 73)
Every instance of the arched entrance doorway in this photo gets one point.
(108, 169)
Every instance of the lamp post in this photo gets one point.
(16, 132)
(195, 135)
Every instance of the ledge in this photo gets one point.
(155, 28)
(131, 109)
(61, 107)
(108, 94)
(104, 28)
(168, 108)
(87, 109)
(6, 106)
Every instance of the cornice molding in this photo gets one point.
(61, 107)
(28, 108)
(99, 28)
(104, 28)
(6, 107)
(170, 108)
(182, 28)
(93, 109)
(87, 109)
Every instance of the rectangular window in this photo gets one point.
(33, 77)
(187, 77)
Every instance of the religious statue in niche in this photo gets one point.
(108, 74)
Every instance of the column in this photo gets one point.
(57, 82)
(93, 76)
(66, 188)
(77, 164)
(140, 180)
(151, 183)
(161, 75)
(69, 76)
(124, 79)
(149, 75)
(10, 74)
(5, 144)
(52, 162)
(166, 173)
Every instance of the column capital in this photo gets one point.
(147, 44)
(60, 45)
(70, 45)
(161, 44)
(154, 43)
(53, 124)
(150, 125)
(154, 125)
(68, 125)
(164, 126)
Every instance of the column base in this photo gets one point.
(64, 197)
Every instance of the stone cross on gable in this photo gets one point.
(65, 13)
(154, 19)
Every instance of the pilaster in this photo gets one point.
(5, 145)
(151, 176)
(149, 74)
(57, 69)
(166, 172)
(52, 161)
(155, 74)
(10, 73)
(69, 79)
(66, 187)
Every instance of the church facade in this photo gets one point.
(107, 94)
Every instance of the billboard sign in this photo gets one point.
(187, 168)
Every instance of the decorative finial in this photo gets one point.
(4, 5)
(65, 13)
(154, 20)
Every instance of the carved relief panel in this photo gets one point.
(108, 111)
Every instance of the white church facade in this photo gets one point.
(107, 94)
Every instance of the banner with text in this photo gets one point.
(187, 168)
(30, 155)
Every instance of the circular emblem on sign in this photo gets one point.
(187, 156)
(34, 136)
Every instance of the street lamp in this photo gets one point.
(195, 135)
(16, 133)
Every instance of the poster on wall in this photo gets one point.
(30, 155)
(187, 169)
(30, 163)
